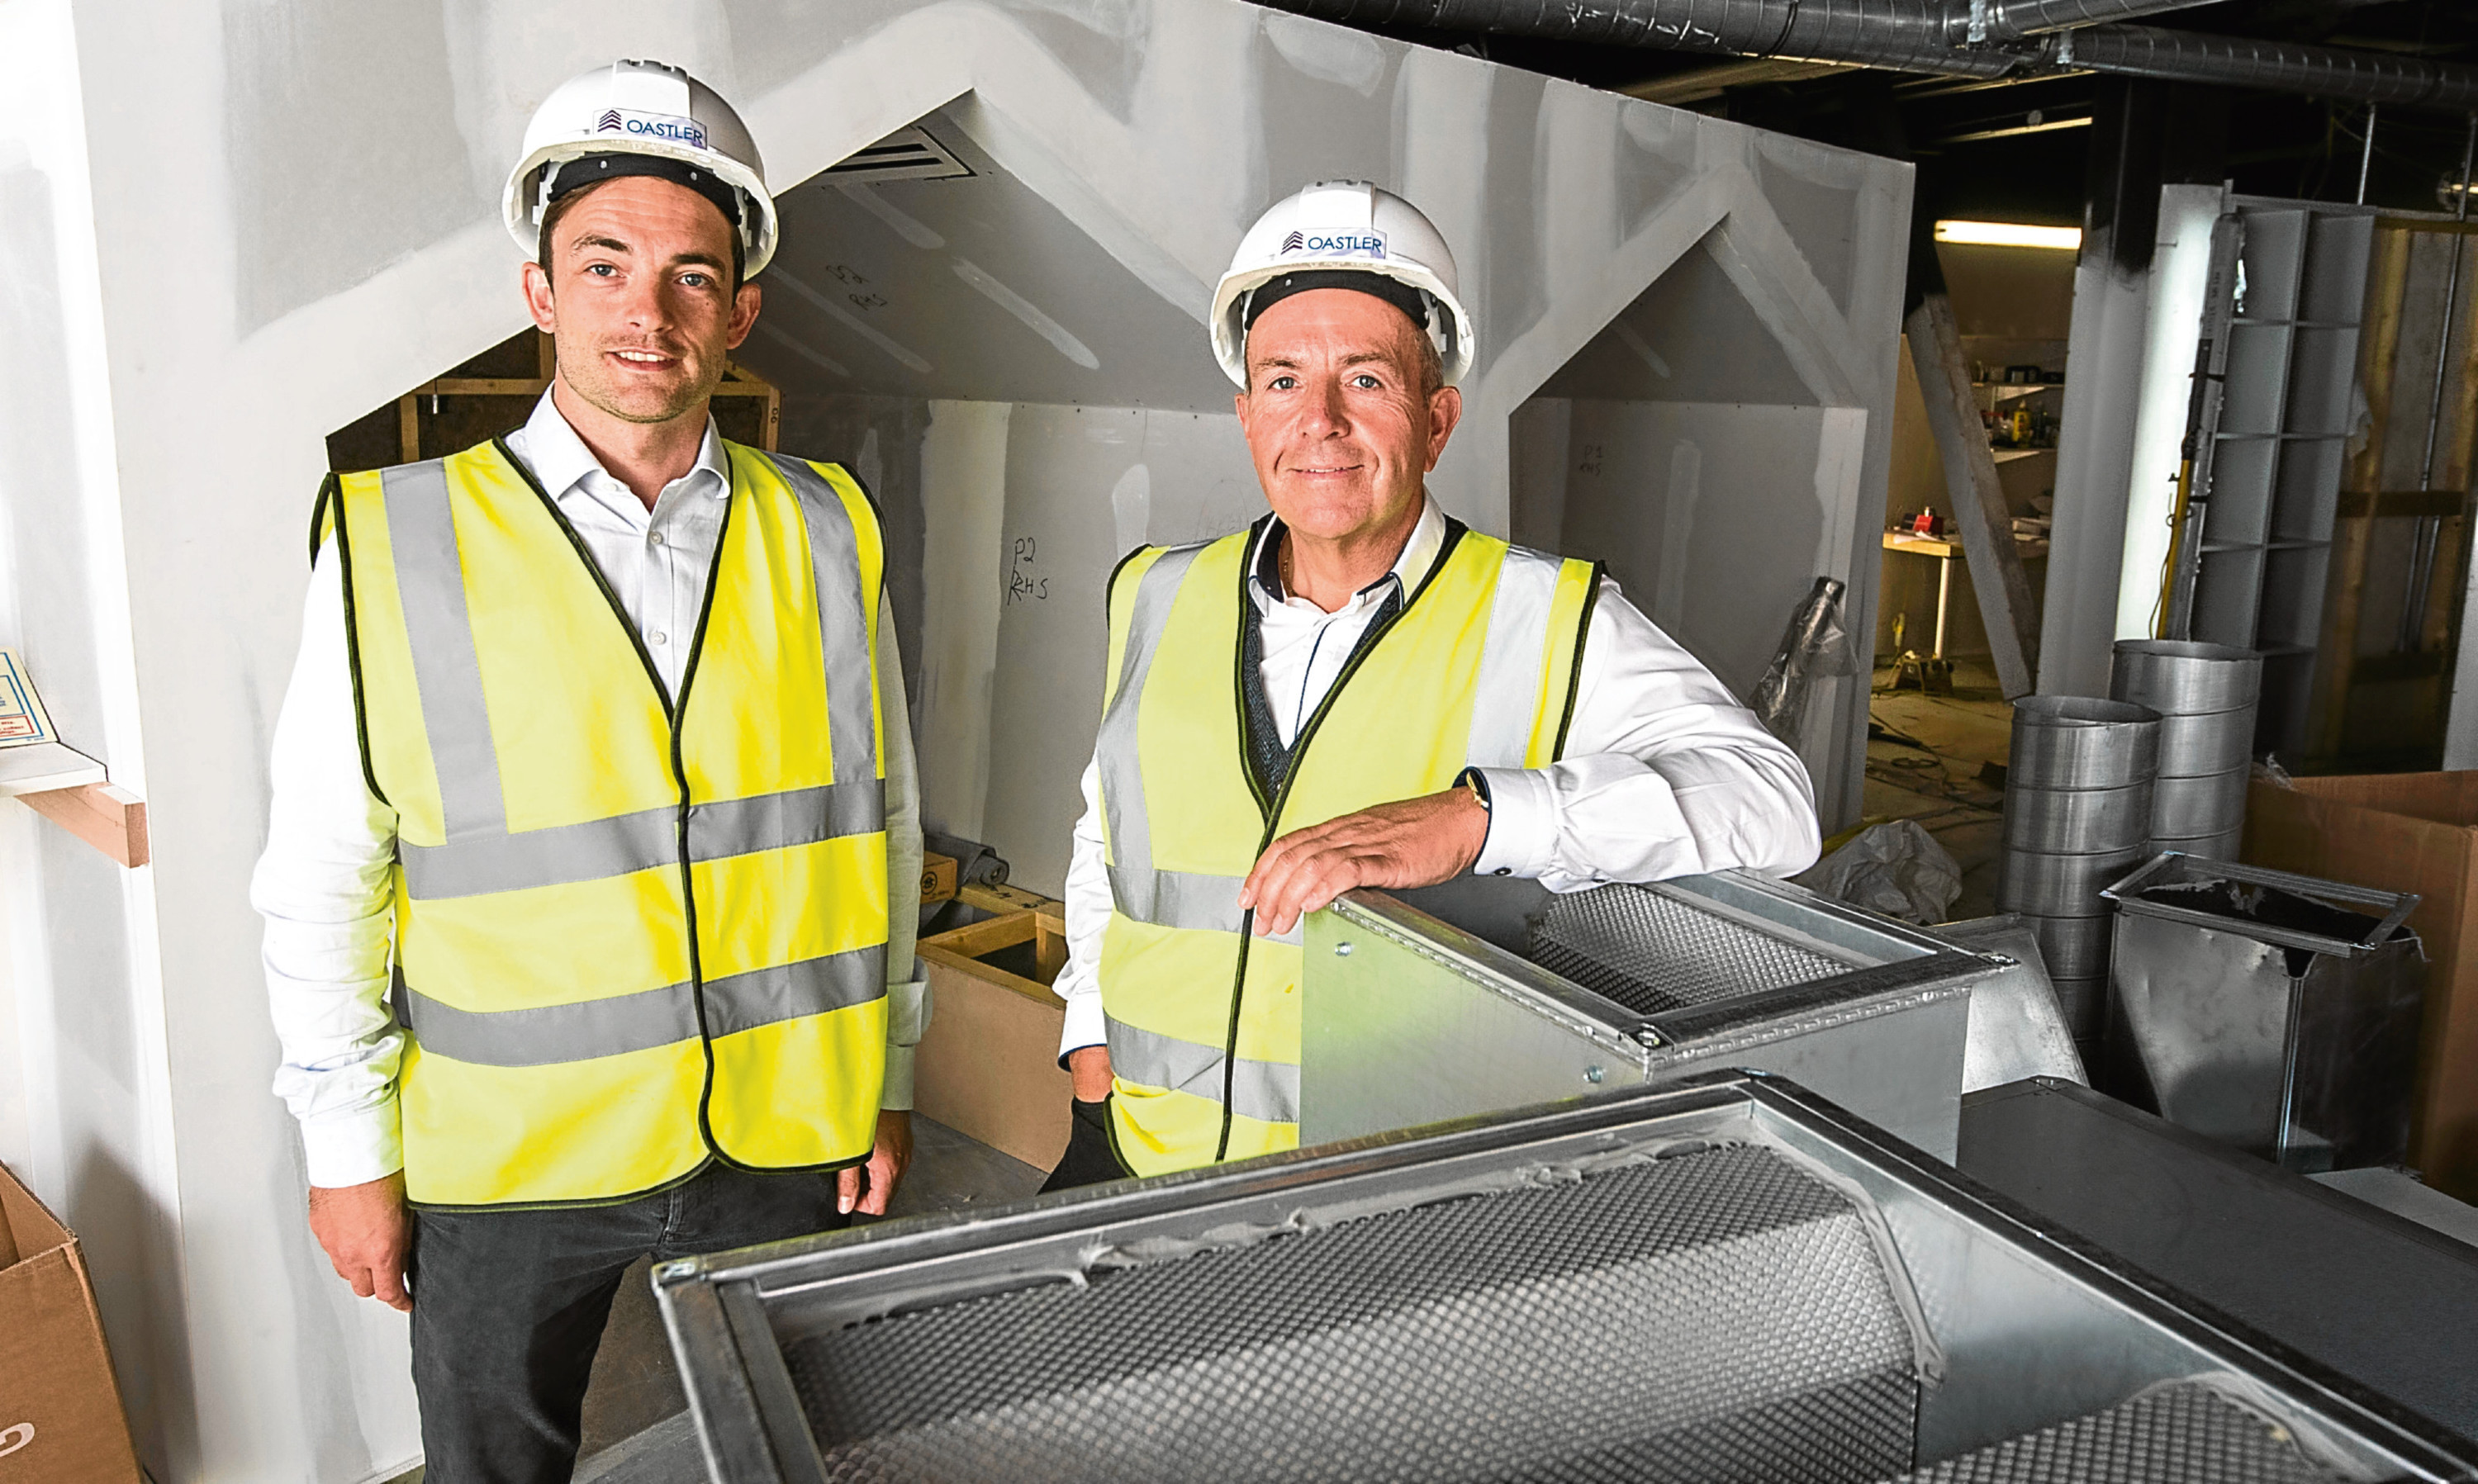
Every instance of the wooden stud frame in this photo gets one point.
(738, 381)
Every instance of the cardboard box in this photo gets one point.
(2403, 832)
(988, 1064)
(60, 1420)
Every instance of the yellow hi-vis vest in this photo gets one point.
(1477, 668)
(631, 936)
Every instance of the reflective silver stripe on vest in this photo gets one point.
(1177, 899)
(798, 816)
(1180, 898)
(1267, 1092)
(787, 991)
(1510, 670)
(446, 669)
(1161, 897)
(834, 554)
(600, 849)
(595, 1028)
(555, 856)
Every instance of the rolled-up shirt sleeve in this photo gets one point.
(1664, 774)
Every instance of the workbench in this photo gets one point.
(1946, 553)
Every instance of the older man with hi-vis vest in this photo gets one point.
(594, 862)
(1357, 690)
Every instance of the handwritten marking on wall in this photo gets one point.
(783, 278)
(1024, 582)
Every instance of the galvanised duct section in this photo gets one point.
(1926, 35)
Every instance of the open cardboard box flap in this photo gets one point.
(61, 1420)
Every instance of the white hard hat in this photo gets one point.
(1347, 226)
(646, 108)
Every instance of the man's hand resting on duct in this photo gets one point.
(1413, 842)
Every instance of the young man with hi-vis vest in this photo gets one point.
(595, 860)
(1358, 690)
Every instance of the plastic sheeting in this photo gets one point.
(1896, 868)
(1816, 643)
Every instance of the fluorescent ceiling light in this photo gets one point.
(2009, 234)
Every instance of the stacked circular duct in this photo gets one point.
(2078, 816)
(2206, 696)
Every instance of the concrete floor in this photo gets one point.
(1925, 760)
(637, 1428)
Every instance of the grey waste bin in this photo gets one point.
(2274, 1012)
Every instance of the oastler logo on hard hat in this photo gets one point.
(1363, 245)
(657, 126)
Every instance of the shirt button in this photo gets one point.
(654, 540)
(657, 636)
(1503, 870)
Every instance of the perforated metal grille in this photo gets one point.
(1650, 952)
(1715, 1316)
(2185, 1431)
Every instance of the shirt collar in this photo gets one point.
(561, 462)
(1410, 567)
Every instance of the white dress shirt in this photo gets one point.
(1665, 774)
(322, 883)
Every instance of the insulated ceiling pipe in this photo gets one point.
(1922, 36)
(2276, 66)
(1908, 35)
(2030, 17)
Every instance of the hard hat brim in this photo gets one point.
(1231, 336)
(516, 206)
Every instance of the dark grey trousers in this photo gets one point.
(1089, 1159)
(508, 1308)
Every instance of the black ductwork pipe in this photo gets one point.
(1924, 36)
(2030, 17)
(1908, 35)
(2274, 66)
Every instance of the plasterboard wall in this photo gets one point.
(1659, 490)
(1084, 487)
(85, 1075)
(1022, 512)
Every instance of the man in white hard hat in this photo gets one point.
(1414, 700)
(593, 866)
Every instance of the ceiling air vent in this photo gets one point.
(905, 155)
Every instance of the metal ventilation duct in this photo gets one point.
(1915, 35)
(1926, 35)
(1702, 1283)
(2275, 67)
(2030, 17)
